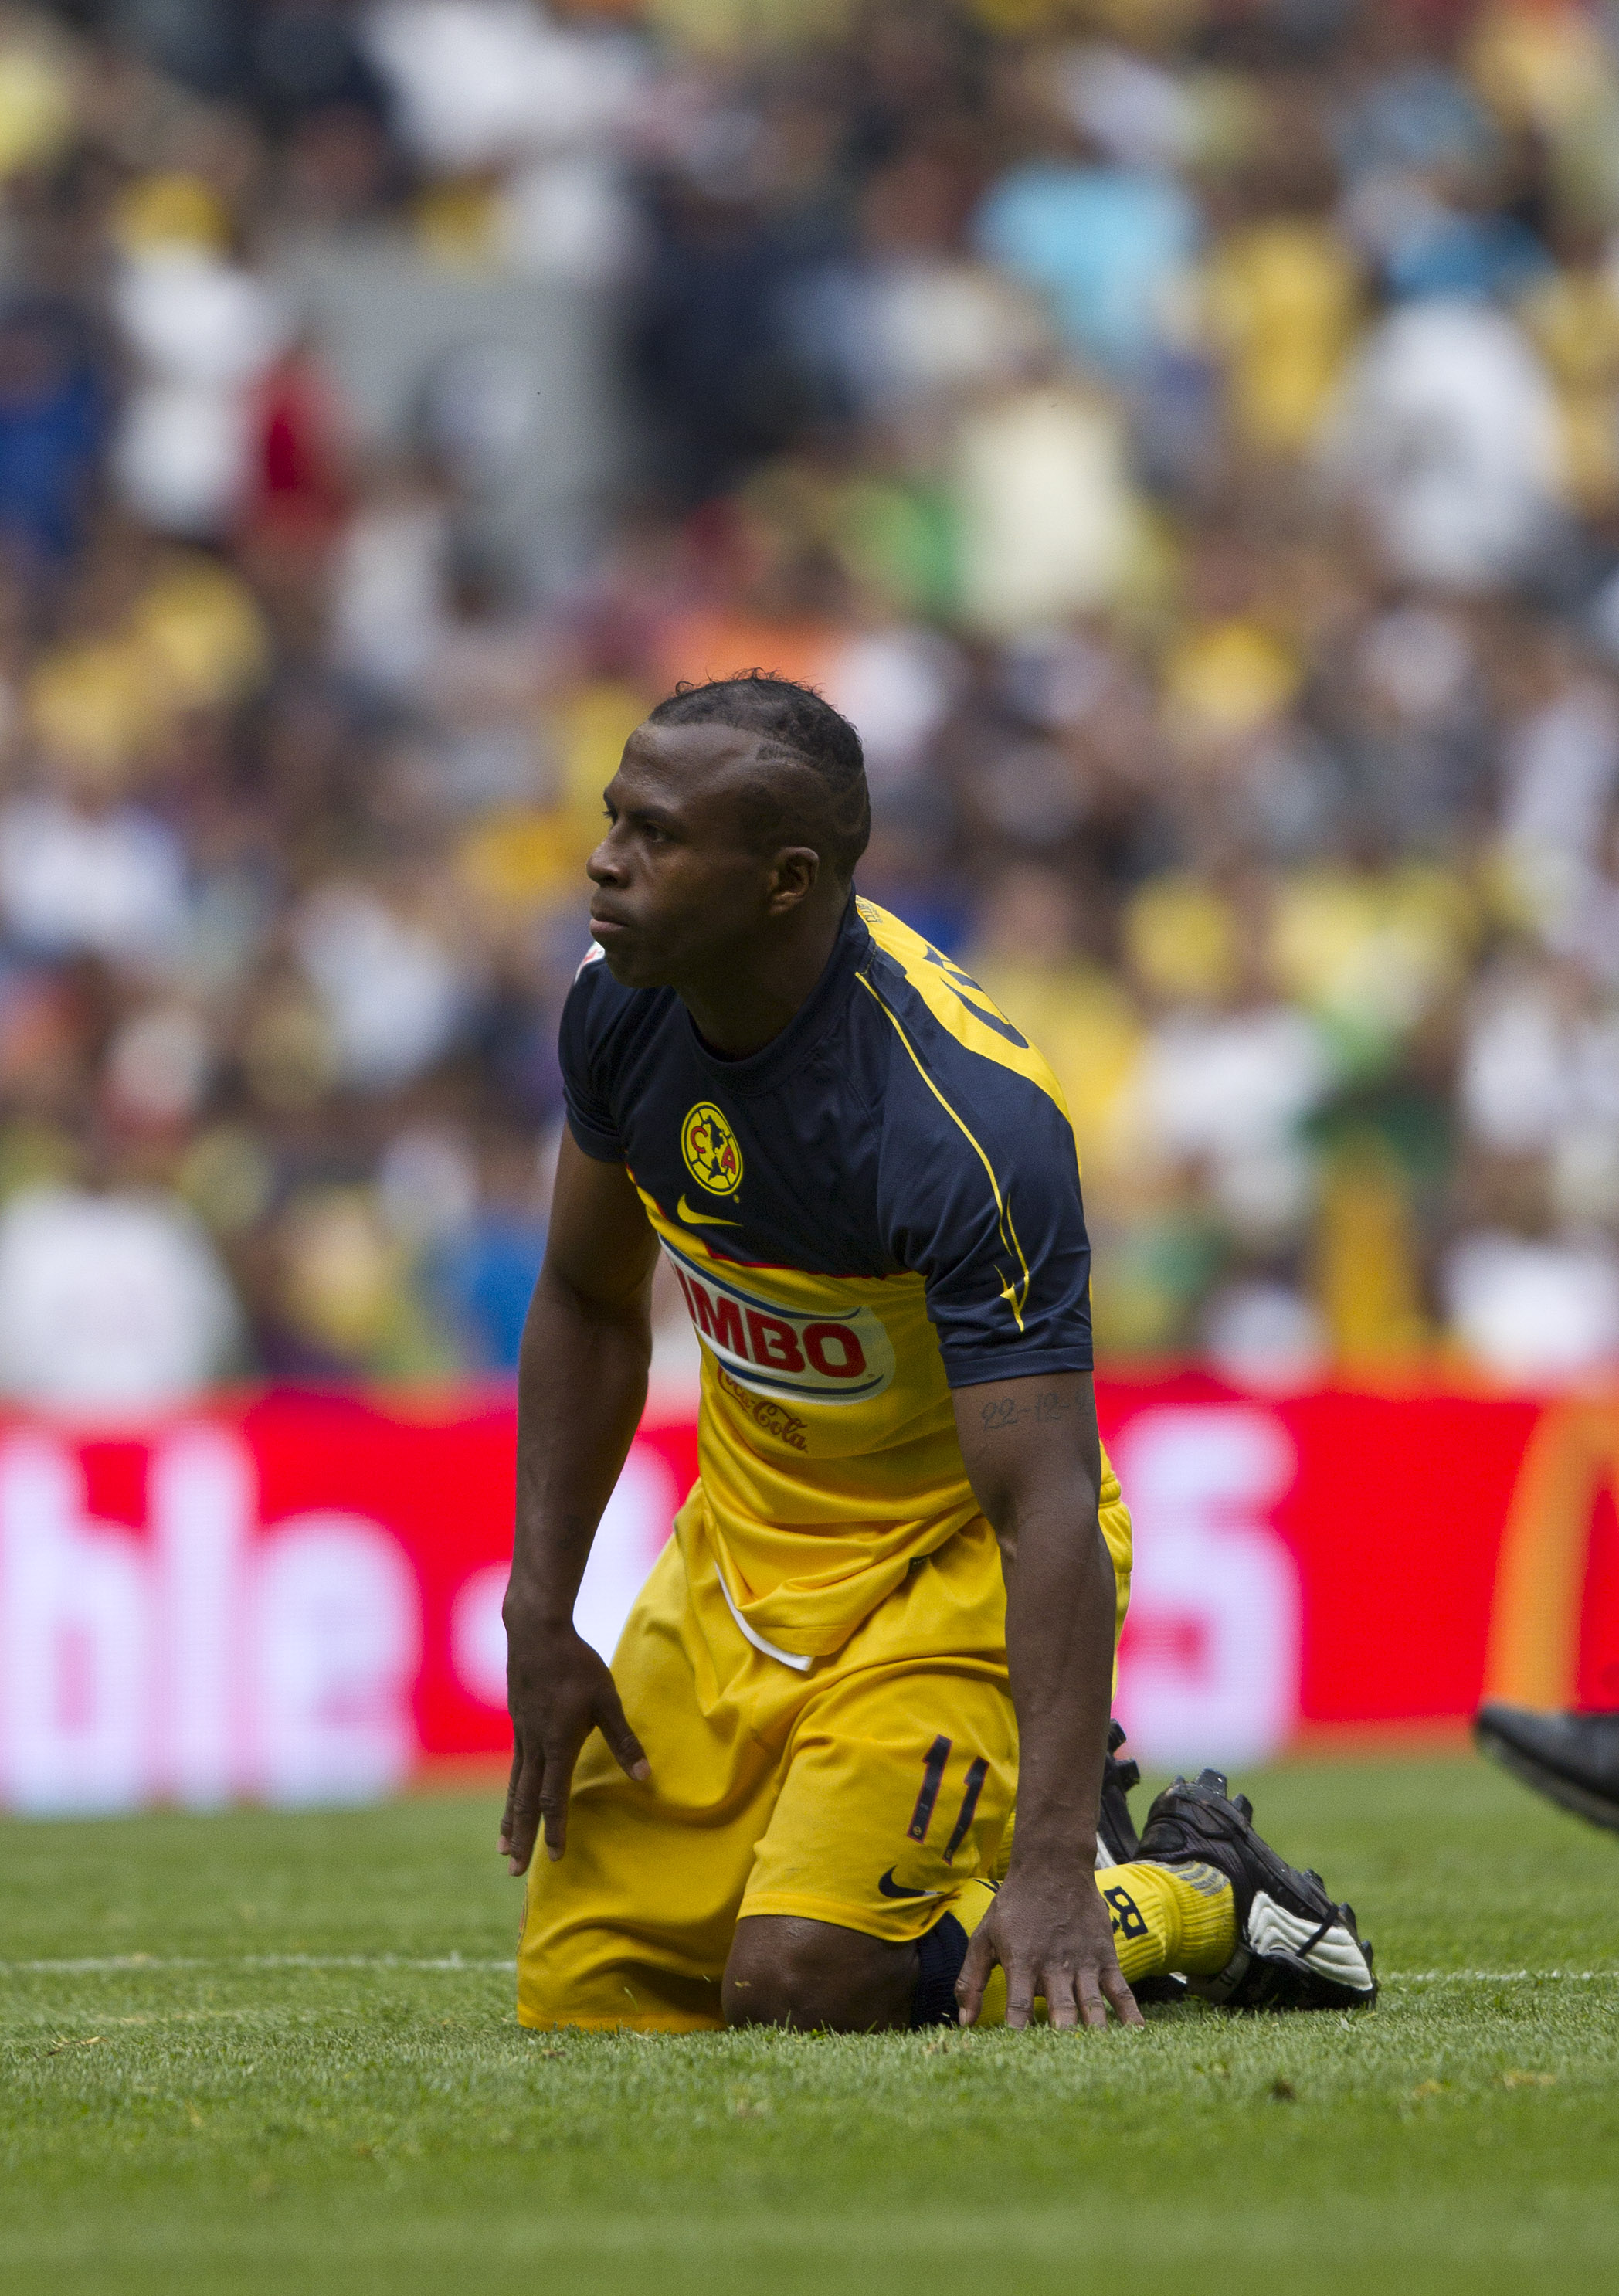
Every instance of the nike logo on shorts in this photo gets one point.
(887, 1887)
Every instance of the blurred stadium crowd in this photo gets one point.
(1184, 435)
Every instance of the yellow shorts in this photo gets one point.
(864, 1791)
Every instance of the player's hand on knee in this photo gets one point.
(558, 1690)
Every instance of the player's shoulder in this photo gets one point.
(600, 1015)
(944, 1024)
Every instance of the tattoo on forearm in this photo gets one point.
(1010, 1411)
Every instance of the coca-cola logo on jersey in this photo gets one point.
(845, 1357)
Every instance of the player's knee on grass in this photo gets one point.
(815, 1977)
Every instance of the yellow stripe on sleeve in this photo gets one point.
(1016, 1299)
(957, 1002)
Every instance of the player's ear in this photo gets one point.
(794, 874)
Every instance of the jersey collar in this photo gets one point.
(774, 1062)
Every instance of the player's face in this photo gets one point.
(677, 887)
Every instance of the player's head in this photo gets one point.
(808, 782)
(738, 807)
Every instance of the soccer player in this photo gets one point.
(891, 1602)
(1572, 1758)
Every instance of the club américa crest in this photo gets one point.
(709, 1145)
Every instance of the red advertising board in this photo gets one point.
(297, 1596)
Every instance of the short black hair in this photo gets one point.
(828, 808)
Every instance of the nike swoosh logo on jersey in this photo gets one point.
(887, 1887)
(702, 1219)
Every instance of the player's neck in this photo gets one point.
(750, 998)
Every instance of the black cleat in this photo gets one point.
(1298, 1950)
(1571, 1758)
(1117, 1842)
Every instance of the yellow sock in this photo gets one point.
(1189, 1910)
(1169, 1917)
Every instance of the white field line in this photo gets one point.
(135, 1963)
(1501, 1976)
(456, 1964)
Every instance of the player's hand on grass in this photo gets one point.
(557, 1691)
(1052, 1935)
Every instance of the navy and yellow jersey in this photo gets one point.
(881, 1205)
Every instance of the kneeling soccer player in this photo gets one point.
(891, 1602)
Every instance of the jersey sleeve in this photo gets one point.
(980, 1195)
(582, 1052)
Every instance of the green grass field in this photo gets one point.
(260, 2053)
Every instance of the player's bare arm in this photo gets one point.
(582, 1382)
(1032, 1453)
